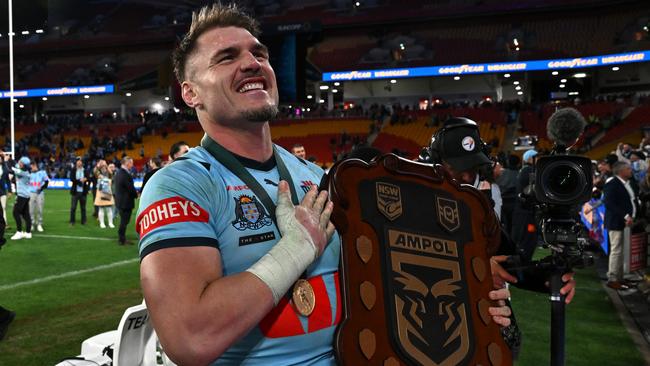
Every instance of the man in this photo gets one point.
(217, 256)
(604, 168)
(299, 151)
(524, 230)
(5, 183)
(506, 178)
(620, 210)
(21, 207)
(458, 146)
(79, 190)
(125, 195)
(177, 150)
(154, 165)
(38, 181)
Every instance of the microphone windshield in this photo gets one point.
(565, 126)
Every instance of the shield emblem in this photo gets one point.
(389, 200)
(251, 213)
(430, 311)
(448, 214)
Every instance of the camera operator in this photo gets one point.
(524, 231)
(458, 147)
(620, 209)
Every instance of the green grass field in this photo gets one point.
(56, 313)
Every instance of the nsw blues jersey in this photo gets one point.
(196, 201)
(22, 182)
(36, 180)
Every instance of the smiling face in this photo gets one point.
(229, 79)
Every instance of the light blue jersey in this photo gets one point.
(36, 180)
(197, 201)
(22, 182)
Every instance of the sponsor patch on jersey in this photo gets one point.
(169, 211)
(250, 214)
(256, 238)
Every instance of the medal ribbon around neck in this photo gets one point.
(227, 158)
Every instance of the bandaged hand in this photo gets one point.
(310, 219)
(306, 230)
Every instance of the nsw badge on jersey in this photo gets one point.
(250, 214)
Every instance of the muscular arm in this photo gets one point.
(196, 311)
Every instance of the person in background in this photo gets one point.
(620, 210)
(6, 317)
(3, 226)
(299, 151)
(21, 207)
(154, 165)
(79, 190)
(506, 178)
(5, 186)
(104, 198)
(177, 150)
(125, 195)
(524, 228)
(112, 169)
(38, 181)
(95, 176)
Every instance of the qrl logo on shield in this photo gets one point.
(389, 200)
(448, 216)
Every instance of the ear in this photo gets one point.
(190, 95)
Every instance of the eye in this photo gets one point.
(261, 55)
(225, 58)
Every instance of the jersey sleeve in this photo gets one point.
(176, 209)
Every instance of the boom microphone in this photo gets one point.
(565, 126)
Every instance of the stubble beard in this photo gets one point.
(263, 114)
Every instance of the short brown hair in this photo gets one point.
(208, 17)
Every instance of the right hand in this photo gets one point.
(311, 216)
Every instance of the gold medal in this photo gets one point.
(304, 299)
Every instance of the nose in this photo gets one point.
(250, 63)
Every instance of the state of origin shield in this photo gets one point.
(415, 267)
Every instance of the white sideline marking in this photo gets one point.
(70, 237)
(67, 274)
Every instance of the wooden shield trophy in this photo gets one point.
(415, 266)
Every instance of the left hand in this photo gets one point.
(569, 288)
(500, 314)
(499, 275)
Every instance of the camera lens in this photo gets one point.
(563, 181)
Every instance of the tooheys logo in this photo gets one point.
(169, 211)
